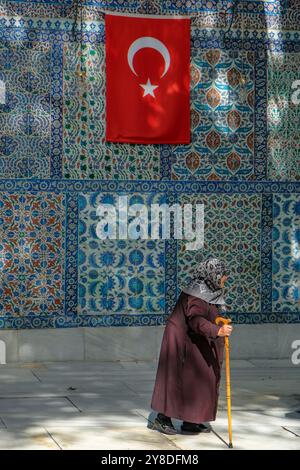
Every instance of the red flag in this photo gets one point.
(147, 80)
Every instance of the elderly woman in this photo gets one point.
(189, 369)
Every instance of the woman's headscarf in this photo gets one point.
(205, 283)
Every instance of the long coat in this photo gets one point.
(190, 362)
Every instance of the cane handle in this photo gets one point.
(226, 321)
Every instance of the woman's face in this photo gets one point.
(223, 280)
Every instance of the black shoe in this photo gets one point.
(164, 425)
(193, 428)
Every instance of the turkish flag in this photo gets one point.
(147, 80)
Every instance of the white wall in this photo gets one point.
(266, 341)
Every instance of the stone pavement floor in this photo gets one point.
(90, 405)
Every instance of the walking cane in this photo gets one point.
(226, 321)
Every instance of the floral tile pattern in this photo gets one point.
(232, 229)
(56, 272)
(32, 246)
(118, 275)
(283, 117)
(222, 113)
(286, 253)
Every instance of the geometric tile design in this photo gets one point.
(32, 247)
(118, 275)
(231, 232)
(283, 117)
(86, 154)
(286, 253)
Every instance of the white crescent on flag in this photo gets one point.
(153, 43)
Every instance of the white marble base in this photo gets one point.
(120, 344)
(50, 344)
(9, 337)
(265, 341)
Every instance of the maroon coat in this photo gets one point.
(189, 369)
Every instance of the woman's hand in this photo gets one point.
(225, 330)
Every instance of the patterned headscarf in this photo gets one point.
(206, 280)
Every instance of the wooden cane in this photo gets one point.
(226, 321)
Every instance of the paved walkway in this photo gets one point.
(106, 406)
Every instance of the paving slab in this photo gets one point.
(254, 431)
(35, 405)
(273, 363)
(98, 420)
(83, 366)
(26, 439)
(113, 404)
(9, 375)
(113, 437)
(293, 429)
(90, 405)
(17, 411)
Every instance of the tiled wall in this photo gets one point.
(243, 164)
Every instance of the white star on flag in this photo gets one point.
(149, 88)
